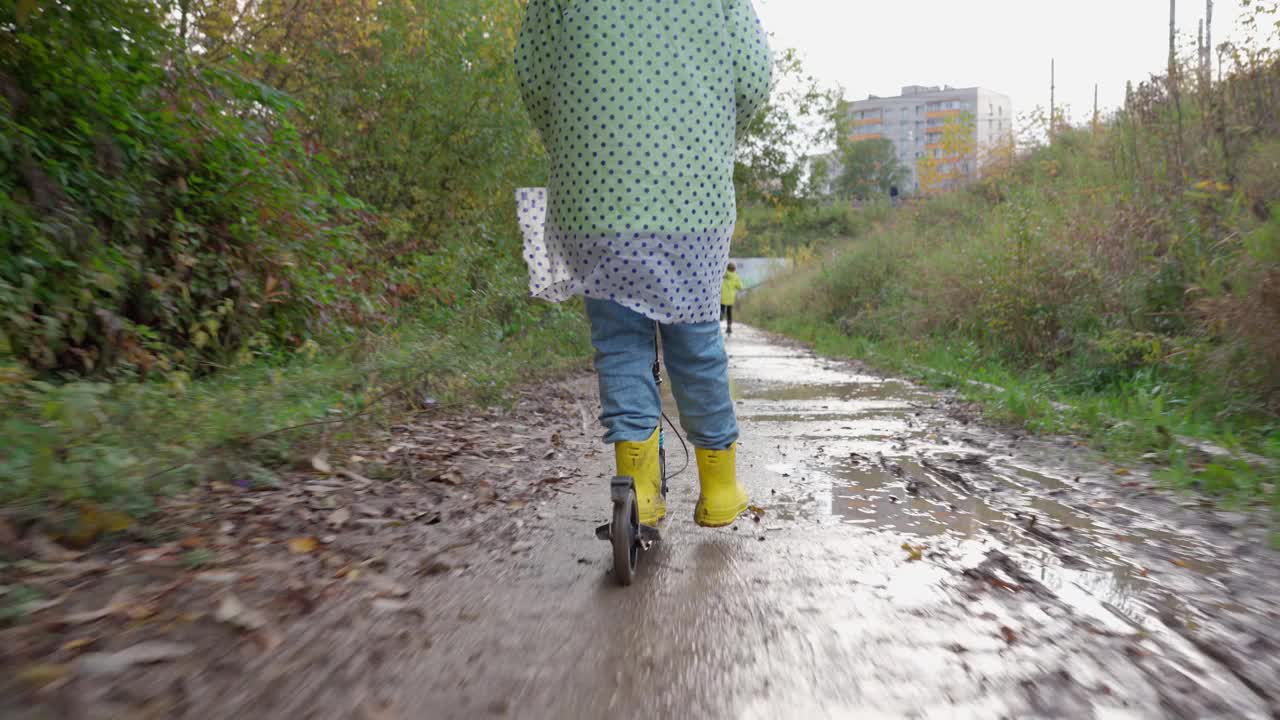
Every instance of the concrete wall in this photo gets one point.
(994, 117)
(755, 271)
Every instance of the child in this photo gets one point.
(729, 294)
(639, 105)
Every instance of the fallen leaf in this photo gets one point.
(115, 521)
(384, 586)
(1008, 634)
(756, 510)
(156, 554)
(267, 638)
(92, 521)
(43, 675)
(49, 551)
(303, 545)
(389, 605)
(914, 552)
(145, 653)
(234, 612)
(117, 604)
(449, 477)
(73, 645)
(360, 480)
(320, 462)
(217, 577)
(339, 517)
(435, 566)
(1123, 471)
(139, 613)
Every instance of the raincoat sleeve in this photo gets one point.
(752, 60)
(535, 60)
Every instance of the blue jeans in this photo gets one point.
(696, 363)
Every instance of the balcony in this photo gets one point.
(859, 137)
(868, 121)
(940, 114)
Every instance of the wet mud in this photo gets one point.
(906, 562)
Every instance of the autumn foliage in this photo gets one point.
(191, 185)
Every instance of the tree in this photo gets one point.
(956, 145)
(820, 177)
(868, 168)
(771, 163)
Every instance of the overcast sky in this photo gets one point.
(877, 46)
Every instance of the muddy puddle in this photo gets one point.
(880, 458)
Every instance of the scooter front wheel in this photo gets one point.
(625, 535)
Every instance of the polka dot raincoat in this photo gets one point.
(639, 103)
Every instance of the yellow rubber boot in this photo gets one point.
(639, 460)
(722, 498)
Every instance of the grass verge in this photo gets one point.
(122, 445)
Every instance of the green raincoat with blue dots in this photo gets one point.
(639, 103)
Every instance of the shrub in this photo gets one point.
(153, 213)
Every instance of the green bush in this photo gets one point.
(783, 230)
(153, 212)
(220, 219)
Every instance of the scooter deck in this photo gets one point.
(648, 535)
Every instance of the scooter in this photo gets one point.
(628, 537)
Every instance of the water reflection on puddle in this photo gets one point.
(857, 444)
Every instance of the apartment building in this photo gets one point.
(915, 122)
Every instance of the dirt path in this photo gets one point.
(909, 563)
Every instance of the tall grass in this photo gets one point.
(1132, 269)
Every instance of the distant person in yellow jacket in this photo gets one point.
(728, 294)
